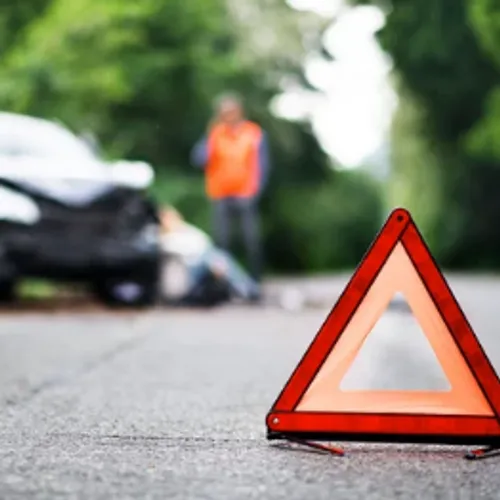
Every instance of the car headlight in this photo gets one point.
(18, 208)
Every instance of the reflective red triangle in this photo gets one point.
(311, 406)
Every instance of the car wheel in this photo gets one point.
(7, 291)
(127, 292)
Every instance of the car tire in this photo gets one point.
(127, 292)
(7, 291)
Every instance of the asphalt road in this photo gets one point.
(171, 405)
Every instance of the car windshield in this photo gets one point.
(40, 139)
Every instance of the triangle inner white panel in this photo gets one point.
(396, 355)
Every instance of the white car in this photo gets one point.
(67, 214)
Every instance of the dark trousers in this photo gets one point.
(245, 209)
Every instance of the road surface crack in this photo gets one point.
(28, 392)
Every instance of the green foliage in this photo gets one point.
(482, 141)
(36, 289)
(186, 193)
(446, 153)
(482, 144)
(485, 20)
(15, 17)
(436, 53)
(327, 226)
(415, 182)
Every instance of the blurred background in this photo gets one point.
(368, 105)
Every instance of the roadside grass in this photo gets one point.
(37, 289)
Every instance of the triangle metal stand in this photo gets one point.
(483, 453)
(332, 450)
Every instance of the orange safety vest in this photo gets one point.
(233, 161)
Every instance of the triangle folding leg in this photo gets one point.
(311, 407)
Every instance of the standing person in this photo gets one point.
(234, 154)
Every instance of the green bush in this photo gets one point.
(325, 227)
(186, 192)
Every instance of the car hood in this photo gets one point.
(77, 182)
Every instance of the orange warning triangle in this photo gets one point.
(313, 406)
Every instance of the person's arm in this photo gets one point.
(199, 154)
(264, 162)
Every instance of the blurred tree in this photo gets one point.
(15, 17)
(483, 139)
(485, 20)
(420, 183)
(436, 53)
(448, 79)
(412, 158)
